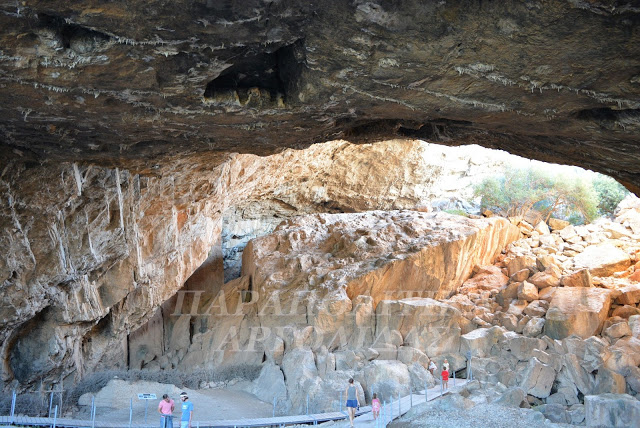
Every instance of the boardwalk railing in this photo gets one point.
(392, 410)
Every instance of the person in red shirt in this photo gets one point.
(445, 378)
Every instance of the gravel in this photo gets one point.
(480, 416)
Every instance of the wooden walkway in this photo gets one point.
(364, 417)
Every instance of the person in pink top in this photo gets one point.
(165, 408)
(375, 406)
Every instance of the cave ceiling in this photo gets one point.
(132, 83)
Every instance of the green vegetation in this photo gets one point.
(457, 212)
(610, 193)
(577, 199)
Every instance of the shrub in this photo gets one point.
(518, 191)
(610, 193)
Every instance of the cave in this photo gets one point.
(144, 147)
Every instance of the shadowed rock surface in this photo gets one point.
(133, 82)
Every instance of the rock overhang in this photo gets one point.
(150, 81)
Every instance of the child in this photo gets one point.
(445, 378)
(375, 406)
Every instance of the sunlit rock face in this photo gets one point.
(133, 82)
(91, 252)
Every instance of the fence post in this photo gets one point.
(411, 400)
(307, 404)
(399, 406)
(441, 387)
(426, 392)
(50, 403)
(454, 378)
(13, 405)
(130, 411)
(274, 407)
(93, 412)
(55, 416)
(340, 402)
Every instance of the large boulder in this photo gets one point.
(581, 278)
(425, 324)
(580, 311)
(612, 410)
(387, 378)
(538, 379)
(480, 341)
(602, 260)
(270, 384)
(629, 295)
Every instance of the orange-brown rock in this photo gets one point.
(577, 310)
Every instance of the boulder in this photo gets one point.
(557, 224)
(545, 261)
(520, 276)
(420, 376)
(425, 324)
(534, 327)
(581, 278)
(542, 228)
(618, 330)
(574, 373)
(625, 354)
(480, 341)
(556, 413)
(616, 230)
(523, 347)
(609, 381)
(625, 311)
(634, 324)
(568, 232)
(538, 379)
(580, 311)
(629, 295)
(299, 368)
(549, 278)
(576, 414)
(519, 263)
(512, 397)
(386, 378)
(527, 291)
(537, 308)
(409, 355)
(612, 410)
(270, 384)
(486, 278)
(602, 259)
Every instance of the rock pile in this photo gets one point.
(559, 317)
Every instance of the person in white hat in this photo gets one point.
(187, 411)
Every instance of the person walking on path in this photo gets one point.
(446, 364)
(352, 400)
(445, 378)
(187, 411)
(166, 408)
(375, 406)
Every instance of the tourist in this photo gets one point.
(446, 364)
(187, 411)
(445, 377)
(375, 406)
(432, 367)
(165, 408)
(352, 401)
